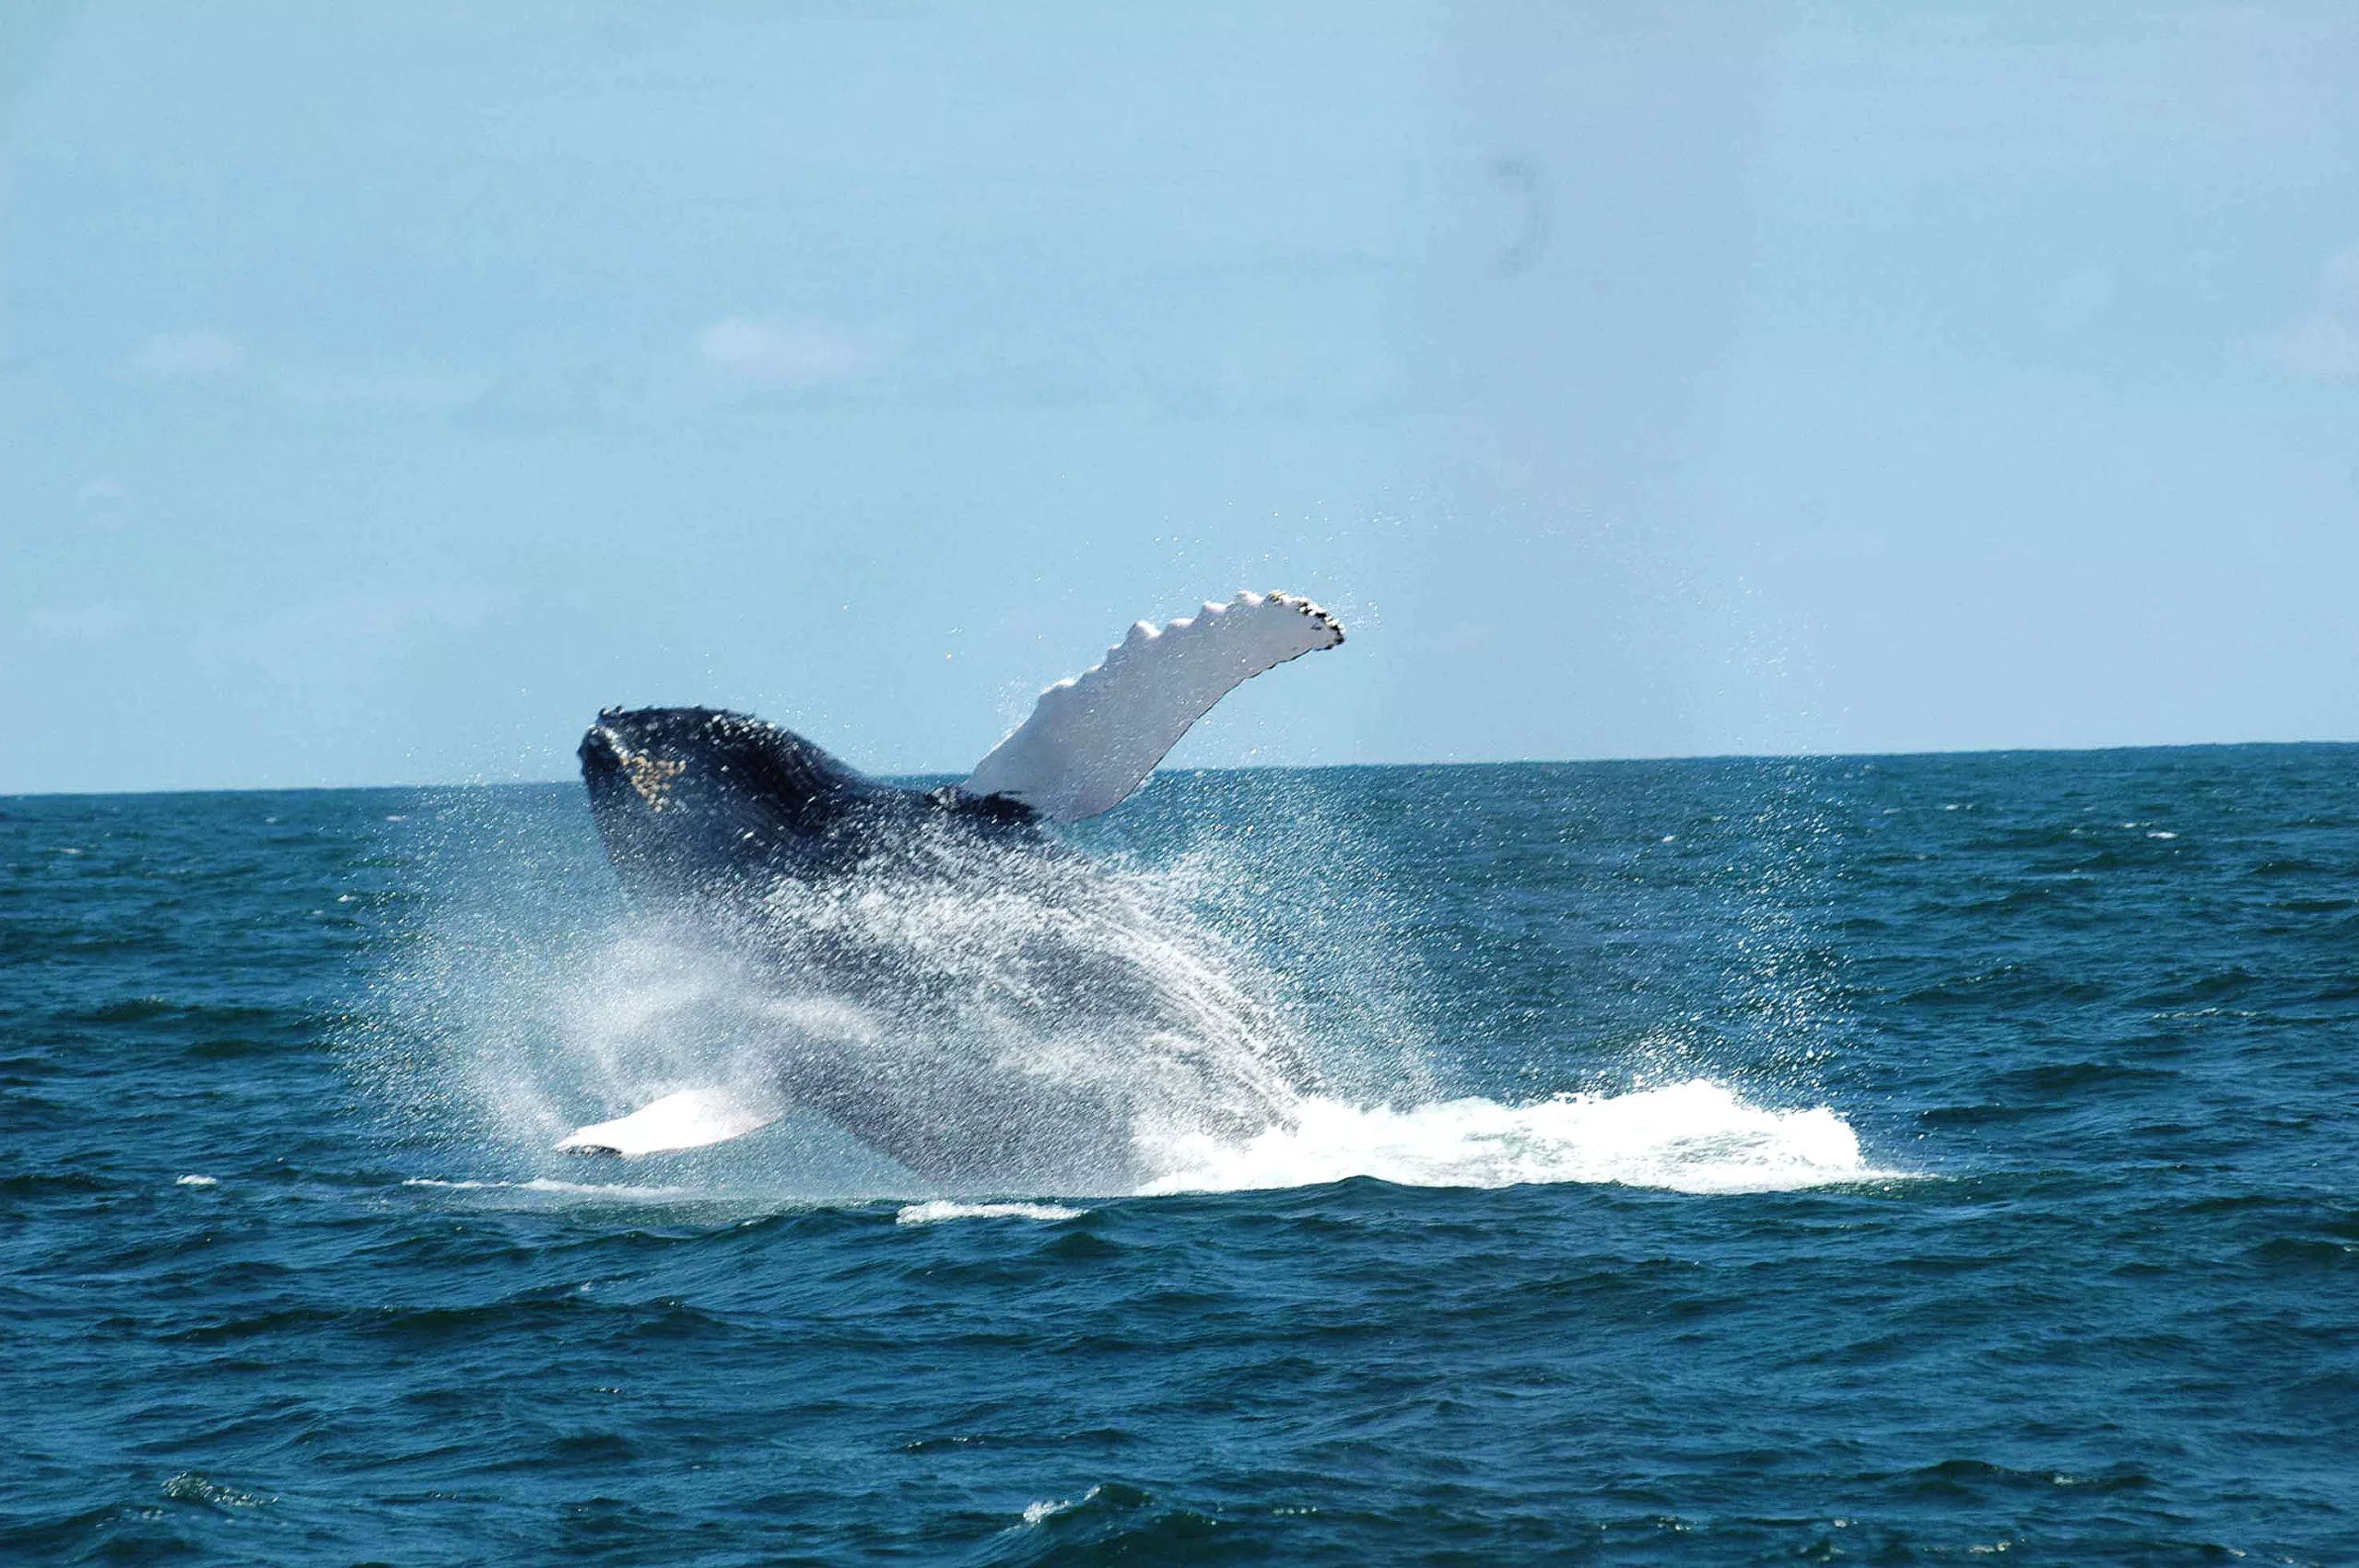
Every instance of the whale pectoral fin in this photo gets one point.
(1093, 740)
(692, 1118)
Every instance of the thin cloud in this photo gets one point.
(103, 502)
(2082, 298)
(102, 620)
(2321, 345)
(204, 355)
(364, 616)
(333, 641)
(2324, 342)
(422, 388)
(789, 354)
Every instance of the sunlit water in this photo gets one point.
(1704, 1161)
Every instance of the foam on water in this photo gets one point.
(1691, 1136)
(611, 1192)
(1050, 1507)
(938, 1208)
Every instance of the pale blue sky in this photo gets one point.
(385, 389)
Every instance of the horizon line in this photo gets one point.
(481, 783)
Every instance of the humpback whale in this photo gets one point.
(997, 1011)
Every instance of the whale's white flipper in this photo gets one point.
(689, 1120)
(1095, 738)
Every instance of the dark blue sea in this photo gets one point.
(1929, 1159)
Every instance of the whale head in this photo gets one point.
(688, 799)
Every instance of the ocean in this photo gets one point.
(1893, 1159)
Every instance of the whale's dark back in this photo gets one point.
(692, 801)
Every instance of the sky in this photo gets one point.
(384, 389)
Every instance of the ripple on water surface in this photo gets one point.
(1710, 1161)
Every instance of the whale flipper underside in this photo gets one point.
(1092, 739)
(689, 1118)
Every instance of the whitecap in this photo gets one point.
(198, 1181)
(615, 1192)
(190, 1486)
(943, 1208)
(1049, 1508)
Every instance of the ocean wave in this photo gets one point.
(612, 1192)
(936, 1209)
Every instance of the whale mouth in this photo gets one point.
(600, 751)
(607, 755)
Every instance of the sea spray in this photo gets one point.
(1225, 1006)
(994, 1020)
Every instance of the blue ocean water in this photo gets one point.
(1899, 1159)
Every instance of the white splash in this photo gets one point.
(1050, 1507)
(198, 1181)
(1043, 1016)
(1691, 1136)
(942, 1209)
(1097, 1030)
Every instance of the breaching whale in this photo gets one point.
(996, 1011)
